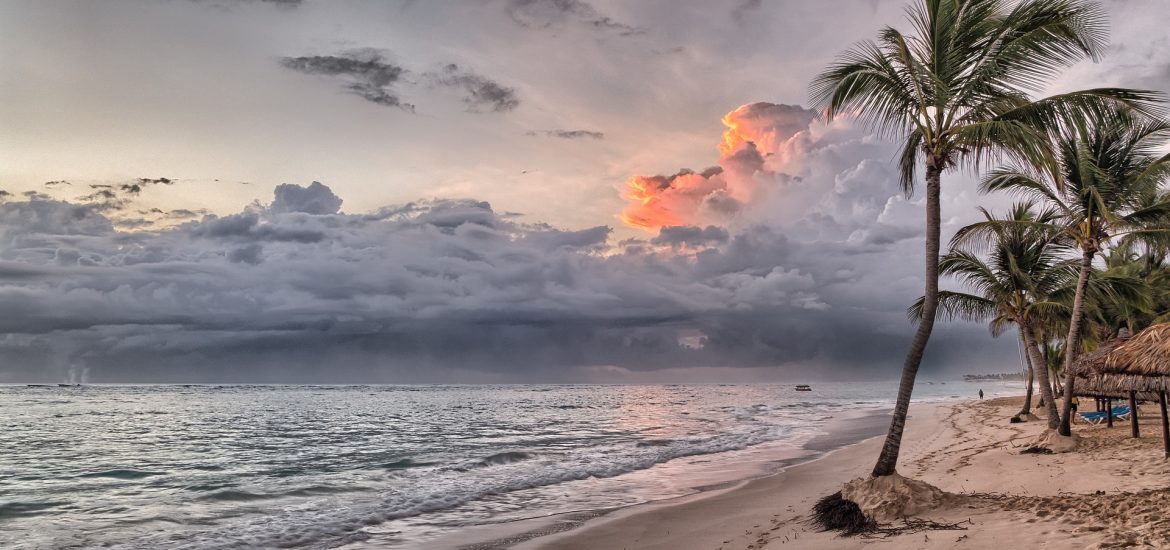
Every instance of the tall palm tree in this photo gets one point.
(1107, 170)
(1023, 268)
(956, 92)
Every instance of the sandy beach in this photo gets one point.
(1110, 493)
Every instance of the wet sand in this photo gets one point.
(1111, 493)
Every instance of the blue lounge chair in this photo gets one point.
(1094, 417)
(1119, 413)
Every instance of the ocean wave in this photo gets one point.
(327, 523)
(27, 509)
(498, 459)
(253, 467)
(122, 474)
(405, 464)
(239, 495)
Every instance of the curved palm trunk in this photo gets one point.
(1041, 373)
(888, 459)
(1073, 343)
(1030, 389)
(1030, 378)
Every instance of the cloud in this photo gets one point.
(571, 134)
(249, 254)
(290, 4)
(547, 13)
(315, 199)
(479, 91)
(760, 148)
(366, 73)
(744, 10)
(164, 181)
(690, 236)
(297, 291)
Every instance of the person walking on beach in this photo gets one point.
(980, 393)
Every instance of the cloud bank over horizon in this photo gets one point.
(297, 290)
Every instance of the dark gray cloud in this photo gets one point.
(479, 92)
(690, 236)
(366, 72)
(550, 238)
(163, 181)
(249, 254)
(548, 13)
(573, 134)
(295, 291)
(314, 199)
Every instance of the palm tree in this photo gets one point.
(956, 93)
(1012, 286)
(1107, 171)
(1105, 315)
(1144, 260)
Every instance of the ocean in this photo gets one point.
(205, 466)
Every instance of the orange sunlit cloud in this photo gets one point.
(658, 201)
(755, 144)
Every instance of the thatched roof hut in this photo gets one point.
(1147, 353)
(1137, 367)
(1118, 386)
(1088, 365)
(1093, 381)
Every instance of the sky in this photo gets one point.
(481, 191)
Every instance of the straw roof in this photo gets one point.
(1094, 380)
(1092, 363)
(1118, 386)
(1146, 354)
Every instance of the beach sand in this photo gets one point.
(1111, 493)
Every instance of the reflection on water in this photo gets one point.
(323, 466)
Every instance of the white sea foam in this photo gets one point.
(318, 467)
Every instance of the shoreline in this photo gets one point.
(840, 433)
(1110, 493)
(655, 524)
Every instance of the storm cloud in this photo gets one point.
(406, 291)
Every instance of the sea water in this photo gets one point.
(385, 466)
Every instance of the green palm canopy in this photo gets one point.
(956, 90)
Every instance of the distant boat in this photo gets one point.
(803, 387)
(68, 385)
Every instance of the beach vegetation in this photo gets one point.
(1106, 189)
(957, 92)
